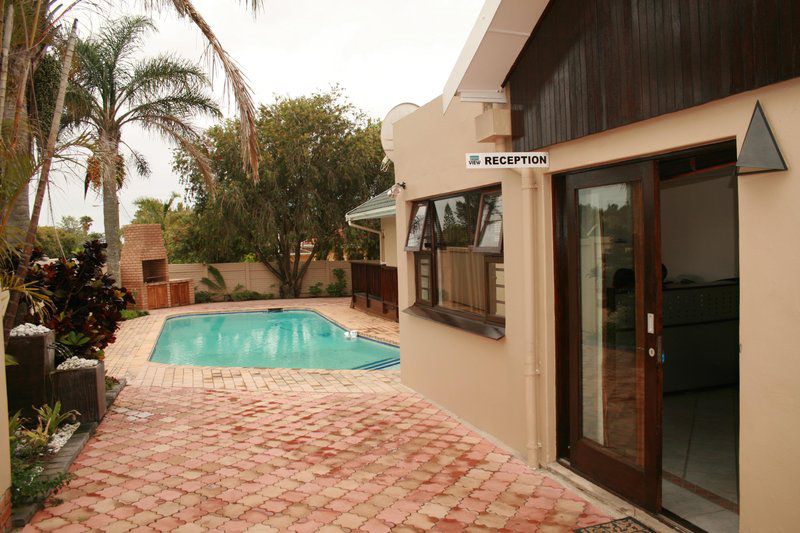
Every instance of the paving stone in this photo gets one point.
(193, 449)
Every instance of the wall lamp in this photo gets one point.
(396, 189)
(760, 153)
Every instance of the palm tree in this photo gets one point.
(161, 94)
(154, 211)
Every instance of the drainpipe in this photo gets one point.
(531, 368)
(377, 232)
(529, 187)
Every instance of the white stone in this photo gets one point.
(29, 330)
(77, 362)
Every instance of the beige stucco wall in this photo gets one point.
(389, 229)
(769, 248)
(483, 381)
(478, 379)
(5, 464)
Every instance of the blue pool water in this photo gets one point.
(287, 339)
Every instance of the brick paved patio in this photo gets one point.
(352, 454)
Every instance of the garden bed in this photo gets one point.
(54, 465)
(60, 462)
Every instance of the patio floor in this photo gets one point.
(237, 450)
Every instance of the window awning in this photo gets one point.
(500, 33)
(379, 206)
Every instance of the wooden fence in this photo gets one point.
(256, 277)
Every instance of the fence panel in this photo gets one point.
(256, 277)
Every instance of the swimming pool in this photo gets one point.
(268, 339)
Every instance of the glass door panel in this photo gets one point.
(611, 372)
(611, 292)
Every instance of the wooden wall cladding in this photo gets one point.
(593, 65)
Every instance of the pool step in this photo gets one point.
(379, 365)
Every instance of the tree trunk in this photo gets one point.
(44, 179)
(109, 148)
(18, 75)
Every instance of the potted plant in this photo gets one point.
(28, 376)
(78, 382)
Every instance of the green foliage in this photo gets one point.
(110, 382)
(30, 443)
(29, 484)
(177, 221)
(320, 156)
(217, 284)
(338, 287)
(84, 299)
(50, 418)
(66, 239)
(218, 289)
(315, 290)
(202, 297)
(130, 314)
(246, 295)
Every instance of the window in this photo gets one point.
(417, 227)
(457, 243)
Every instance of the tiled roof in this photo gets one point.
(381, 205)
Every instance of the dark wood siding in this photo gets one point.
(593, 65)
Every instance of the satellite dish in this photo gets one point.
(387, 127)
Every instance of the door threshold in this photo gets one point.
(597, 495)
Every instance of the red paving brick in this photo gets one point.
(356, 453)
(284, 461)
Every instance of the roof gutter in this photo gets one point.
(375, 213)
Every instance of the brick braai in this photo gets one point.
(145, 272)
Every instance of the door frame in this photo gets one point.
(561, 303)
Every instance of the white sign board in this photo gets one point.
(508, 160)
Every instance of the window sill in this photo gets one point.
(478, 327)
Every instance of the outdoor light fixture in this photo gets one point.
(760, 153)
(396, 189)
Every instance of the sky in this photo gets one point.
(381, 52)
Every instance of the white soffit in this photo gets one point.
(501, 31)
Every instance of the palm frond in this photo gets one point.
(235, 82)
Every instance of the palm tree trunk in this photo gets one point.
(44, 177)
(109, 148)
(15, 120)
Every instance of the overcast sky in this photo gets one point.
(382, 52)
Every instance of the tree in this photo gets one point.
(64, 240)
(319, 157)
(161, 94)
(176, 221)
(154, 211)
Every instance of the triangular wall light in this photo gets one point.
(760, 152)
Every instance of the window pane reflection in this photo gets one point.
(611, 375)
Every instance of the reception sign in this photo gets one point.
(501, 160)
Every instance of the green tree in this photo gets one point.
(176, 221)
(319, 156)
(154, 211)
(161, 94)
(67, 238)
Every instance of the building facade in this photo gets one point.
(619, 313)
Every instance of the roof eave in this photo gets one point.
(372, 213)
(499, 35)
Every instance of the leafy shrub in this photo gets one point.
(111, 382)
(29, 484)
(338, 287)
(28, 481)
(315, 290)
(217, 286)
(130, 314)
(84, 299)
(244, 295)
(202, 297)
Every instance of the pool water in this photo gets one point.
(286, 339)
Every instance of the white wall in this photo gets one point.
(699, 228)
(389, 229)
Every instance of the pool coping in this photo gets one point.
(270, 310)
